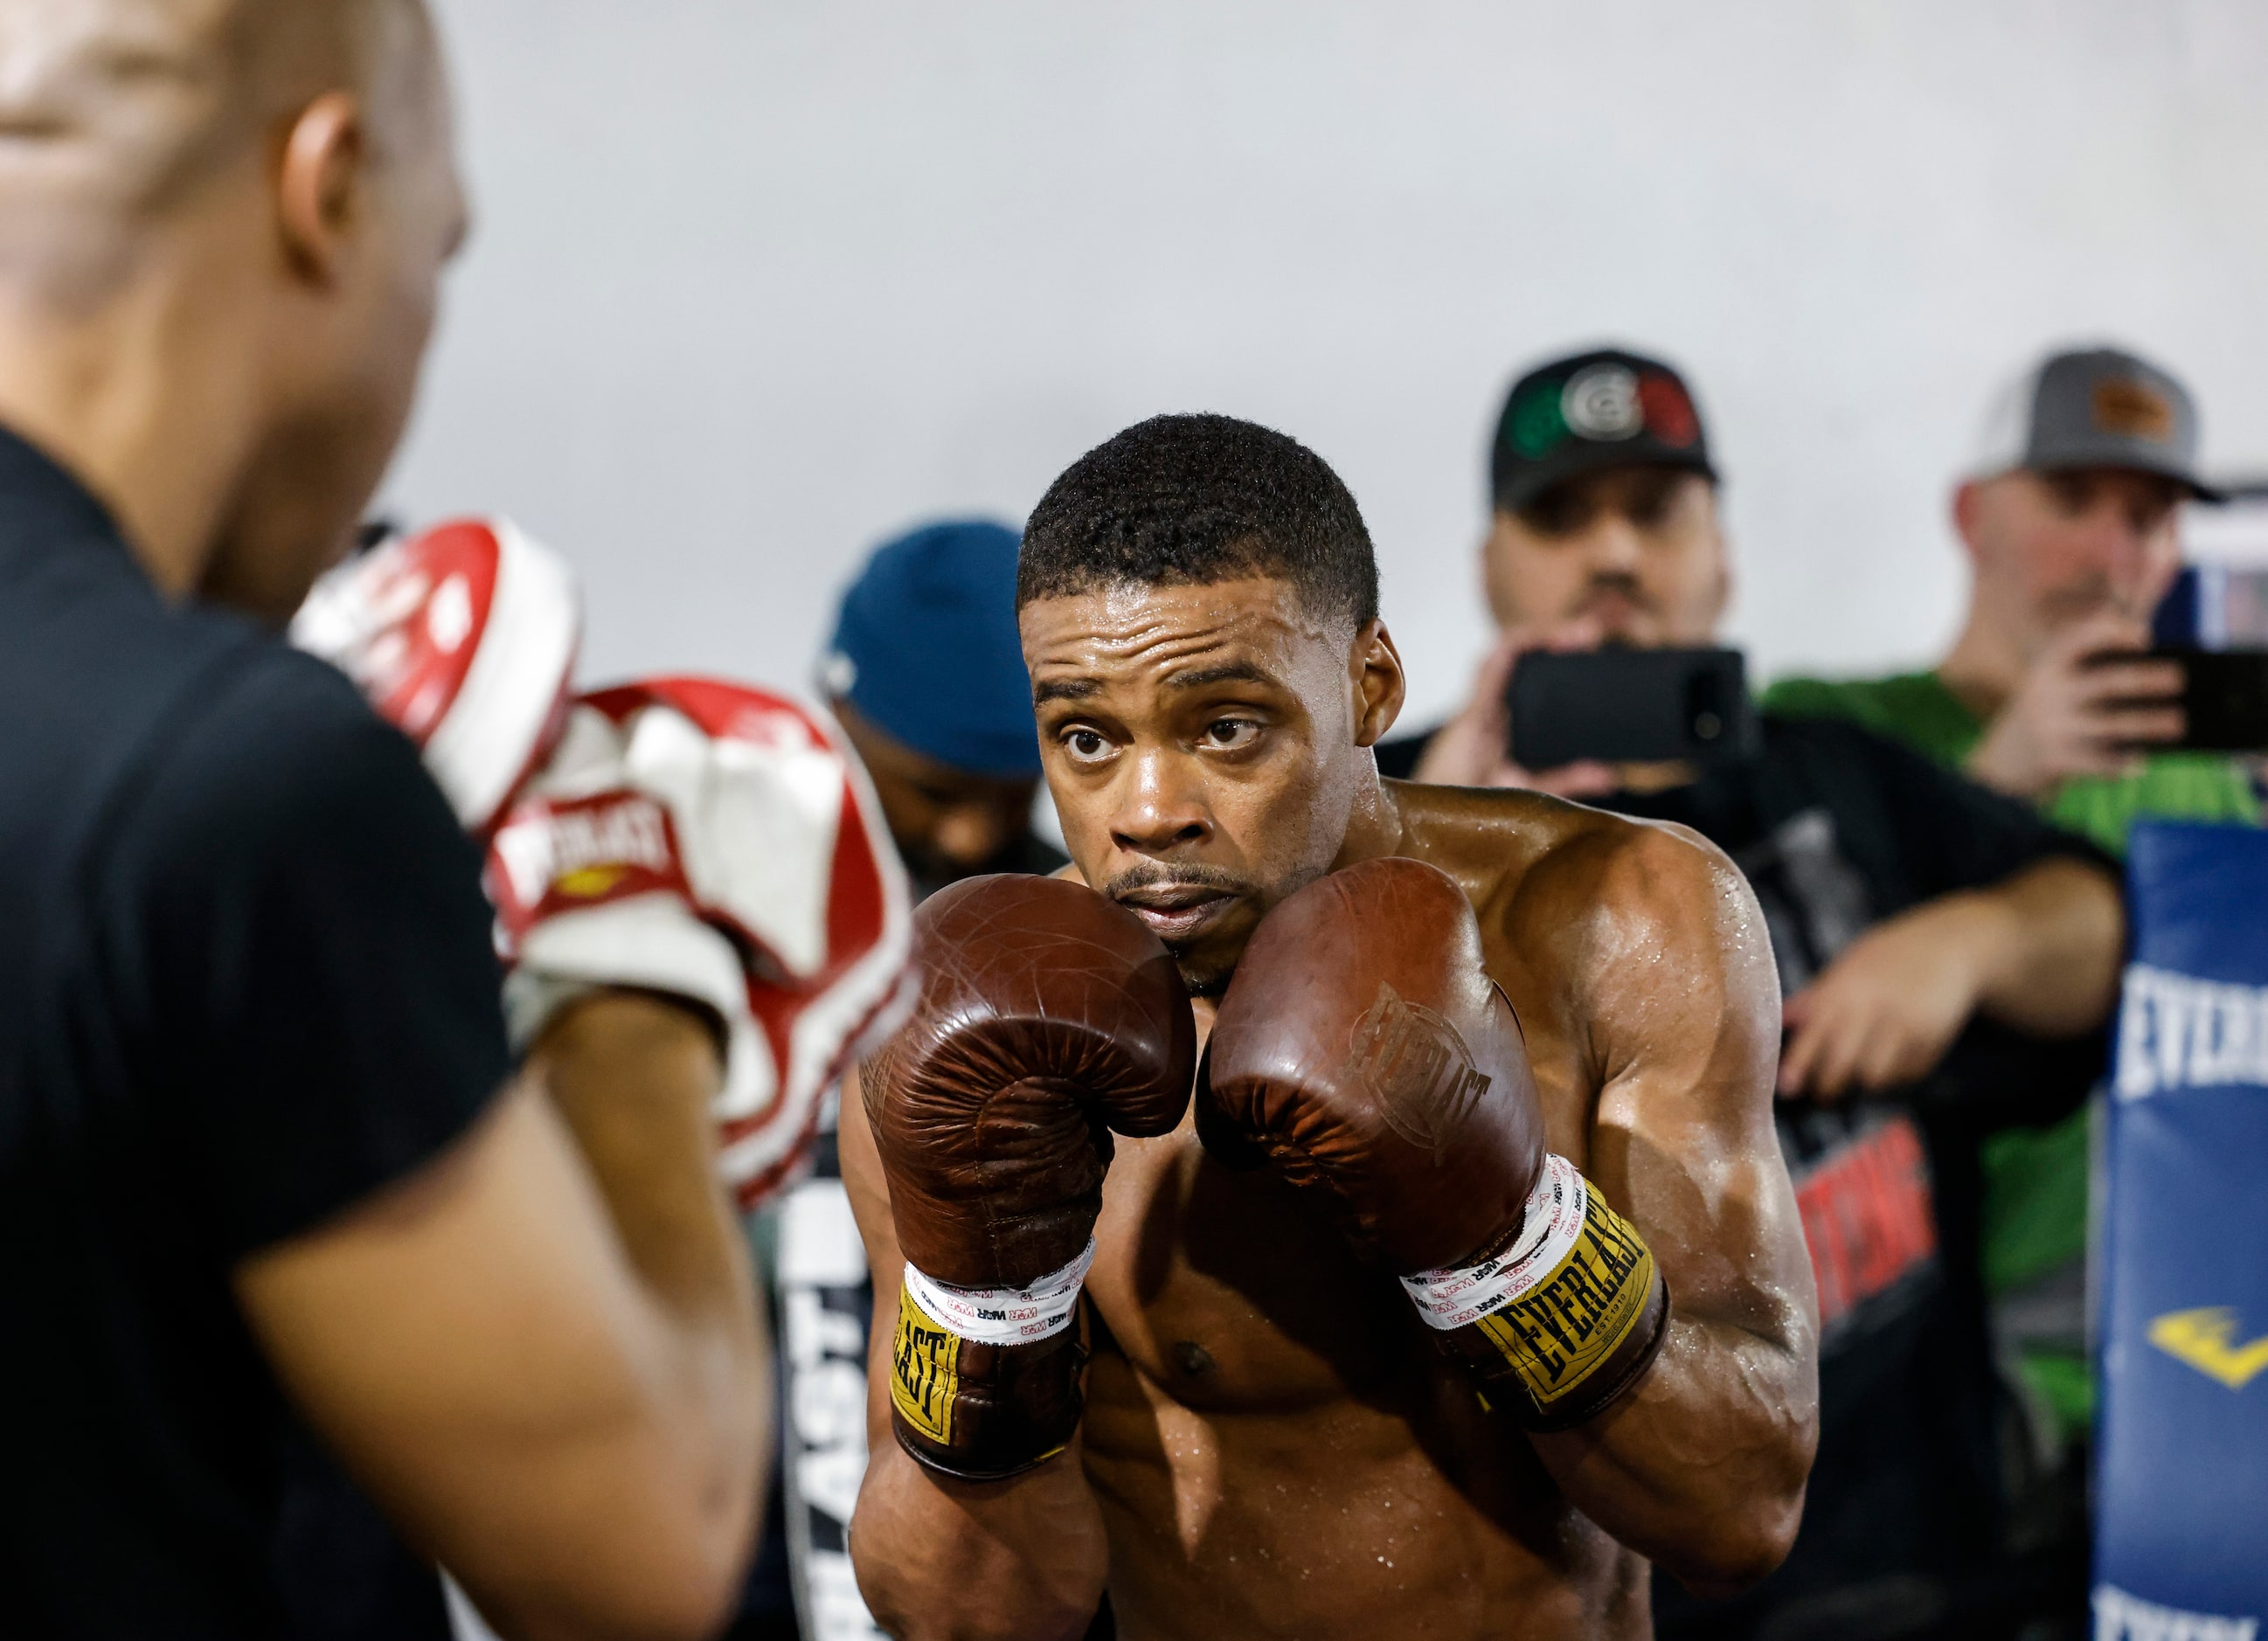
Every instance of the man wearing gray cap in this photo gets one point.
(2069, 519)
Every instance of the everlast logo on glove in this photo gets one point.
(1426, 1140)
(1562, 1331)
(1563, 1321)
(1047, 1014)
(553, 856)
(1401, 1045)
(923, 1380)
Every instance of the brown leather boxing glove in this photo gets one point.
(1362, 1050)
(1047, 1018)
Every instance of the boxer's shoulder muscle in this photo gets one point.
(1536, 866)
(1587, 921)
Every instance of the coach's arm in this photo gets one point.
(541, 1353)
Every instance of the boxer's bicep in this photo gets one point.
(1685, 1031)
(1701, 1466)
(1715, 1205)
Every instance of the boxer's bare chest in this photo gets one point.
(1276, 1446)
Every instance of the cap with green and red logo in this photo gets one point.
(1590, 412)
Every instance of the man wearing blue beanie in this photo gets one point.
(926, 674)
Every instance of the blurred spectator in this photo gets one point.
(1943, 951)
(1627, 426)
(2069, 518)
(927, 675)
(264, 1154)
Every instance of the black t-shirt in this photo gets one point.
(1838, 828)
(245, 980)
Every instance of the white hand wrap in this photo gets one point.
(1004, 1316)
(1554, 1218)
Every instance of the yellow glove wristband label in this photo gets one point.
(1560, 1331)
(924, 1372)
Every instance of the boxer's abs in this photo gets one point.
(1276, 1454)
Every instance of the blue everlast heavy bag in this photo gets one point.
(2181, 1532)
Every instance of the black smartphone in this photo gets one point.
(2224, 699)
(1631, 706)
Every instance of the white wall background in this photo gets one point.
(756, 282)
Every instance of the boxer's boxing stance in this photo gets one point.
(1600, 1346)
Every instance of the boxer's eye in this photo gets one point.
(1086, 746)
(1231, 734)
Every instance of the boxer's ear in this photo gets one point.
(1967, 510)
(321, 184)
(1379, 684)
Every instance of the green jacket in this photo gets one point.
(1918, 709)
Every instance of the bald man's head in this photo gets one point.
(228, 219)
(112, 112)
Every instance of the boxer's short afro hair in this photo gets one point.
(1186, 500)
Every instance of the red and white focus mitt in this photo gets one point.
(716, 842)
(464, 638)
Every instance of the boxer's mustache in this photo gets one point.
(1156, 875)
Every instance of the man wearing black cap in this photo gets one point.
(1943, 953)
(1605, 509)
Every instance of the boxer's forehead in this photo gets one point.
(1136, 636)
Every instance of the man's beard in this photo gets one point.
(1625, 588)
(2065, 606)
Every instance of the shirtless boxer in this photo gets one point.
(1272, 1443)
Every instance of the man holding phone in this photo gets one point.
(1604, 452)
(2068, 516)
(1940, 948)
